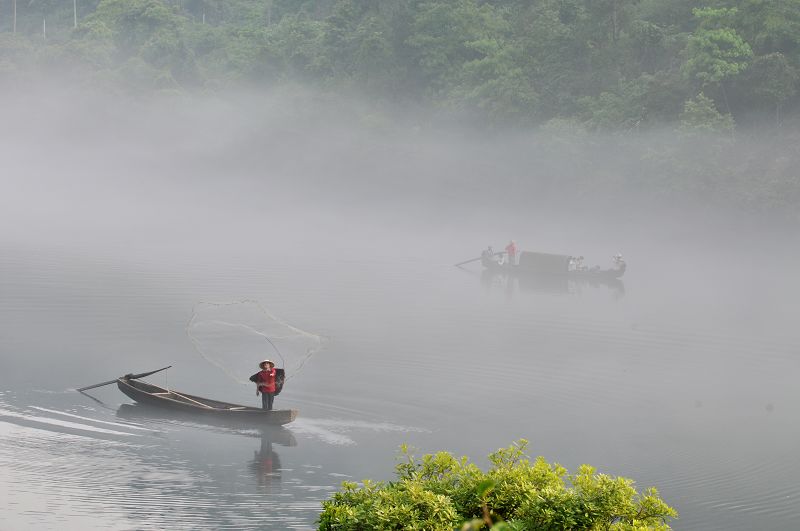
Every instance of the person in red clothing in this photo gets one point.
(511, 249)
(265, 381)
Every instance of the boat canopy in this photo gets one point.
(544, 262)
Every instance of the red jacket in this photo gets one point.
(266, 380)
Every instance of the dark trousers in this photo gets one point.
(267, 399)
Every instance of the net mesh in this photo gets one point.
(235, 336)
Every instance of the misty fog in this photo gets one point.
(119, 214)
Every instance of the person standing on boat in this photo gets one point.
(265, 381)
(487, 257)
(511, 250)
(619, 263)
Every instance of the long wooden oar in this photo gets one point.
(476, 259)
(190, 400)
(128, 376)
(468, 261)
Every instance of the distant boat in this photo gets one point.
(152, 395)
(546, 264)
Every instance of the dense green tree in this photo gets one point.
(356, 44)
(771, 80)
(147, 36)
(701, 115)
(470, 62)
(715, 51)
(770, 26)
(440, 492)
(613, 64)
(550, 55)
(296, 41)
(447, 34)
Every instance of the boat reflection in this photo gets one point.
(548, 284)
(265, 464)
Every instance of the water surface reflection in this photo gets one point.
(681, 386)
(547, 284)
(265, 464)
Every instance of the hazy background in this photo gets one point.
(119, 217)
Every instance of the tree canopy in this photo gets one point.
(441, 492)
(716, 82)
(608, 64)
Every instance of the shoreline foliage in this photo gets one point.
(442, 492)
(711, 88)
(610, 65)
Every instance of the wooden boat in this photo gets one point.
(545, 264)
(152, 395)
(273, 433)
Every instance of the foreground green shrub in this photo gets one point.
(440, 492)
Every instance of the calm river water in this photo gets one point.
(683, 378)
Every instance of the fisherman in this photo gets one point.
(511, 251)
(619, 262)
(265, 383)
(487, 257)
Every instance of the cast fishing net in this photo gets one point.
(235, 336)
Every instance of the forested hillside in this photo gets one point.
(714, 69)
(604, 63)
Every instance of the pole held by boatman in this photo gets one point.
(265, 381)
